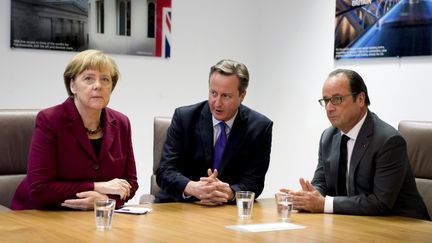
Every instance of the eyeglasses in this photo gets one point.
(335, 100)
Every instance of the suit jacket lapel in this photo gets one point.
(76, 127)
(334, 164)
(205, 126)
(359, 149)
(109, 133)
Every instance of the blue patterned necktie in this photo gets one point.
(219, 146)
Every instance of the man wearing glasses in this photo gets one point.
(363, 166)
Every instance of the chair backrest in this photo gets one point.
(160, 127)
(418, 135)
(16, 129)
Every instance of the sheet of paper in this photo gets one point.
(133, 210)
(265, 227)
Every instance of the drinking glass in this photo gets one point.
(104, 213)
(245, 201)
(284, 205)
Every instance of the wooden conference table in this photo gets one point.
(187, 222)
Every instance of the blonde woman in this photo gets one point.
(81, 150)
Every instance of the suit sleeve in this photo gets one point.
(130, 168)
(391, 166)
(168, 175)
(319, 180)
(254, 176)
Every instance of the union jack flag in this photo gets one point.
(166, 33)
(163, 28)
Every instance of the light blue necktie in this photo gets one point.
(219, 146)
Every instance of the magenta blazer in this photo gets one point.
(62, 161)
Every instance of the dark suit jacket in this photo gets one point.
(380, 178)
(188, 151)
(62, 161)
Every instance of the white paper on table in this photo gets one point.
(265, 227)
(133, 210)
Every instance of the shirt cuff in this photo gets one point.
(328, 204)
(234, 193)
(185, 196)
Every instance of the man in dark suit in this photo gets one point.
(368, 172)
(192, 166)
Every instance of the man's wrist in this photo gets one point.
(231, 195)
(188, 191)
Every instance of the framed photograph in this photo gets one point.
(382, 28)
(130, 27)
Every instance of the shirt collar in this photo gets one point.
(353, 133)
(229, 123)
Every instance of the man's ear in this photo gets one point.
(362, 98)
(242, 95)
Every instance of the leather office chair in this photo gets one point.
(160, 127)
(418, 135)
(16, 129)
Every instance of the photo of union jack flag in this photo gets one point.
(129, 27)
(163, 29)
(166, 33)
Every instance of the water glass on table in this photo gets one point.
(104, 213)
(284, 205)
(245, 201)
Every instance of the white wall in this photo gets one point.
(295, 55)
(288, 47)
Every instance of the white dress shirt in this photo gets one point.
(216, 127)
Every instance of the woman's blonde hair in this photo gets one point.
(90, 59)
